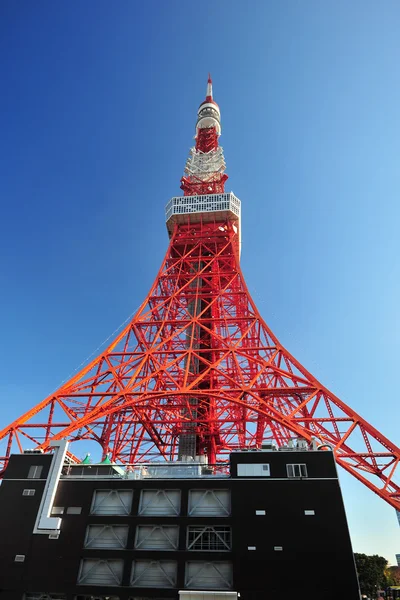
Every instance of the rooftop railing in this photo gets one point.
(177, 470)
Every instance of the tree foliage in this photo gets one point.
(393, 575)
(371, 573)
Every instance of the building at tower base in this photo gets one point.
(268, 524)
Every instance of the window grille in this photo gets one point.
(112, 502)
(154, 573)
(299, 470)
(163, 503)
(106, 536)
(157, 537)
(100, 572)
(208, 575)
(209, 503)
(35, 472)
(209, 538)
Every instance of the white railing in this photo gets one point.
(177, 470)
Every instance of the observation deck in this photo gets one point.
(204, 208)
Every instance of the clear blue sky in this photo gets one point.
(97, 112)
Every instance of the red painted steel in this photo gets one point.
(194, 186)
(197, 360)
(206, 142)
(214, 183)
(207, 139)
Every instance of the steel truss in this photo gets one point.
(197, 359)
(205, 166)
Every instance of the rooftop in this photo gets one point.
(191, 469)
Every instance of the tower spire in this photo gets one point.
(205, 167)
(209, 92)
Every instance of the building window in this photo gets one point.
(57, 510)
(35, 472)
(209, 503)
(309, 513)
(278, 548)
(106, 536)
(253, 470)
(209, 538)
(296, 470)
(28, 492)
(208, 575)
(112, 502)
(74, 510)
(156, 537)
(100, 572)
(154, 573)
(164, 503)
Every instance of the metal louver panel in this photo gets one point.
(160, 502)
(217, 538)
(106, 536)
(208, 575)
(100, 572)
(157, 537)
(209, 503)
(154, 573)
(112, 502)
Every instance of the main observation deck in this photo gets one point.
(203, 208)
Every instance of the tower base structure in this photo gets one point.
(270, 525)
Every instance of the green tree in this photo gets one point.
(371, 573)
(393, 575)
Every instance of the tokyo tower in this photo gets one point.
(197, 372)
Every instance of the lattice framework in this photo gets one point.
(197, 358)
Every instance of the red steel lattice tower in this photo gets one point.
(197, 372)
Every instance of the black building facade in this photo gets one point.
(272, 526)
